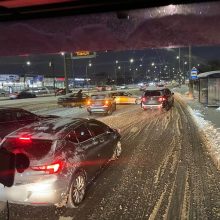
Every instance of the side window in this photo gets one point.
(6, 116)
(72, 137)
(97, 128)
(22, 115)
(82, 133)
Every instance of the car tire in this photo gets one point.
(110, 111)
(77, 190)
(117, 151)
(137, 102)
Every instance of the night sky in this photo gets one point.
(105, 61)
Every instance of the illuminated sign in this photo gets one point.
(83, 54)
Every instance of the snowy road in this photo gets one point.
(164, 171)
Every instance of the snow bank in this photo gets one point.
(211, 135)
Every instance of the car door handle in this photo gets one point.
(95, 141)
(101, 140)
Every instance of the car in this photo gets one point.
(101, 103)
(126, 98)
(72, 100)
(123, 86)
(65, 155)
(3, 92)
(158, 98)
(12, 119)
(61, 91)
(39, 90)
(22, 95)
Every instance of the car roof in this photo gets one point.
(51, 129)
(155, 89)
(13, 109)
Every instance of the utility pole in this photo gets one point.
(179, 69)
(65, 74)
(190, 68)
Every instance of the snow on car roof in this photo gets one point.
(49, 129)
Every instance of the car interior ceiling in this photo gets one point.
(149, 27)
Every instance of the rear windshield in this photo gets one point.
(153, 93)
(35, 149)
(98, 97)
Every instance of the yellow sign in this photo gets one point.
(83, 54)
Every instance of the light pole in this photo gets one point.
(51, 66)
(87, 65)
(131, 62)
(116, 76)
(28, 63)
(65, 72)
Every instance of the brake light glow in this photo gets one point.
(50, 169)
(161, 99)
(24, 139)
(144, 99)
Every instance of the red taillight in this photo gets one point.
(26, 139)
(161, 99)
(144, 99)
(50, 169)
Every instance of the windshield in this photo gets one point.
(126, 106)
(152, 93)
(94, 97)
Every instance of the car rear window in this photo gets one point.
(35, 149)
(153, 93)
(98, 97)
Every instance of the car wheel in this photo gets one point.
(77, 190)
(117, 151)
(137, 102)
(110, 111)
(167, 107)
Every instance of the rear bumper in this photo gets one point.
(47, 192)
(148, 106)
(101, 109)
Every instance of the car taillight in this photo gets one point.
(161, 99)
(50, 169)
(25, 139)
(144, 99)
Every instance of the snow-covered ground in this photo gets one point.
(207, 120)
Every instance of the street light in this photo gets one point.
(119, 67)
(177, 57)
(152, 64)
(28, 63)
(116, 61)
(131, 60)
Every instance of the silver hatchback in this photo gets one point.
(64, 154)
